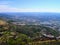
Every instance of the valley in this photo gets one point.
(28, 28)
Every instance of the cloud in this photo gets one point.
(7, 8)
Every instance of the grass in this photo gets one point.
(2, 22)
(48, 42)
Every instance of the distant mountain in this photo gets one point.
(5, 16)
(33, 16)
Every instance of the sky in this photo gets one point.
(29, 5)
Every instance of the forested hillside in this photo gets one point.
(11, 34)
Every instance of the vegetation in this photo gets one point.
(48, 42)
(11, 34)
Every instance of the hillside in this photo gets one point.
(24, 34)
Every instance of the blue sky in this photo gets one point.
(29, 5)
